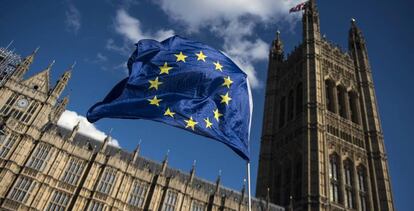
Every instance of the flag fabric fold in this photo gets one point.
(298, 7)
(186, 84)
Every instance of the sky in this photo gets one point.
(99, 35)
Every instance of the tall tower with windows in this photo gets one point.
(322, 145)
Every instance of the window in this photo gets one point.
(73, 171)
(59, 201)
(299, 98)
(353, 103)
(334, 178)
(342, 102)
(137, 196)
(290, 105)
(6, 144)
(330, 104)
(362, 188)
(22, 189)
(198, 206)
(96, 206)
(170, 201)
(349, 189)
(39, 157)
(282, 112)
(9, 104)
(29, 113)
(107, 181)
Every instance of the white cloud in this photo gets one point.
(234, 21)
(70, 118)
(208, 12)
(130, 28)
(131, 31)
(73, 18)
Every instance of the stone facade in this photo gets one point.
(322, 145)
(44, 167)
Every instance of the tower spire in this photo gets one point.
(25, 65)
(73, 133)
(218, 181)
(310, 21)
(192, 172)
(165, 162)
(59, 109)
(136, 152)
(356, 38)
(276, 51)
(62, 82)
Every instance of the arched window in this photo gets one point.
(362, 188)
(299, 98)
(349, 187)
(329, 92)
(282, 108)
(290, 105)
(353, 104)
(334, 178)
(342, 101)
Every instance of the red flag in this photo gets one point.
(298, 7)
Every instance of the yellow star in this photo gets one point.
(201, 56)
(227, 82)
(208, 123)
(225, 98)
(190, 123)
(180, 57)
(218, 66)
(155, 101)
(165, 69)
(154, 83)
(168, 112)
(217, 114)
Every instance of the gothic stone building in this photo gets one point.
(322, 142)
(44, 167)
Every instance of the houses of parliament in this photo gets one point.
(322, 146)
(46, 167)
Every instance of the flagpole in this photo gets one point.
(248, 186)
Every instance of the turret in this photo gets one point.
(311, 23)
(59, 109)
(192, 172)
(62, 82)
(218, 181)
(135, 154)
(24, 66)
(380, 183)
(276, 50)
(105, 143)
(165, 163)
(73, 133)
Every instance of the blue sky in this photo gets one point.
(99, 35)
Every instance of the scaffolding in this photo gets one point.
(8, 63)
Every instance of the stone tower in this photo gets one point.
(322, 145)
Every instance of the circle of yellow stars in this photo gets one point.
(165, 69)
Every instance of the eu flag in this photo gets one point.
(186, 84)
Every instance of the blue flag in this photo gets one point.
(185, 84)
